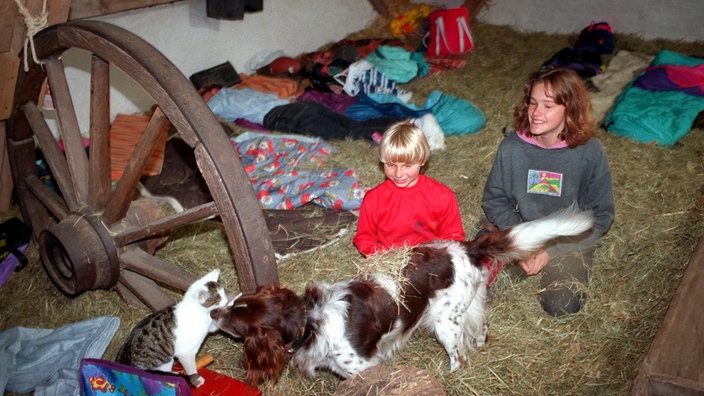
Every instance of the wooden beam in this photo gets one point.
(675, 360)
(390, 8)
(13, 33)
(5, 174)
(12, 25)
(90, 8)
(473, 6)
(9, 65)
(386, 7)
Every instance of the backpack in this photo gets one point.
(585, 56)
(586, 63)
(597, 37)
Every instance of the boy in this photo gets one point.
(408, 208)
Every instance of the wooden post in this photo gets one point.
(389, 8)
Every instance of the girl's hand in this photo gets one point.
(536, 263)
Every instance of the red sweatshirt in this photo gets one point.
(396, 217)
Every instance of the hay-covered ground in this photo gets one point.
(659, 219)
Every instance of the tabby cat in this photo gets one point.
(177, 331)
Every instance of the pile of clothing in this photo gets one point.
(350, 90)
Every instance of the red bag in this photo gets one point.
(449, 32)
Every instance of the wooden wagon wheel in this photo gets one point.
(92, 234)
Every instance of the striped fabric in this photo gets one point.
(125, 132)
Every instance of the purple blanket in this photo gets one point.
(686, 79)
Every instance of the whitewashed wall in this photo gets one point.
(194, 42)
(669, 19)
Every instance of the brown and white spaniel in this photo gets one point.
(357, 323)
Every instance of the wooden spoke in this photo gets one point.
(99, 173)
(161, 227)
(144, 289)
(51, 200)
(120, 198)
(54, 158)
(68, 127)
(141, 262)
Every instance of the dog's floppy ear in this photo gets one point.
(265, 355)
(232, 320)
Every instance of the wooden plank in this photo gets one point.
(12, 38)
(9, 65)
(473, 6)
(90, 8)
(677, 351)
(12, 25)
(143, 289)
(12, 28)
(388, 8)
(392, 8)
(8, 25)
(5, 172)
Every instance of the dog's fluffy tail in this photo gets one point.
(522, 240)
(533, 235)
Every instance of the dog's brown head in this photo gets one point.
(268, 321)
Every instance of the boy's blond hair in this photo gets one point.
(404, 142)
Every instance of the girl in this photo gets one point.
(549, 163)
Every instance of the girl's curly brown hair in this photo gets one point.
(566, 88)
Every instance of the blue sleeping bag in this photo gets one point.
(661, 104)
(456, 116)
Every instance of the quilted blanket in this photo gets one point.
(287, 171)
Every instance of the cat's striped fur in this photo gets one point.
(176, 331)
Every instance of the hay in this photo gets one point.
(390, 262)
(387, 269)
(659, 218)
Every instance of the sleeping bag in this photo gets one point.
(661, 104)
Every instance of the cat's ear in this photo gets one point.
(212, 276)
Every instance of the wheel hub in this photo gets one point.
(78, 255)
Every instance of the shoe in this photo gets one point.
(432, 130)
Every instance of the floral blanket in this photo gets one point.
(287, 171)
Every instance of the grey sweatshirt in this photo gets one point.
(527, 182)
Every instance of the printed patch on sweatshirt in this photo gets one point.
(544, 182)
